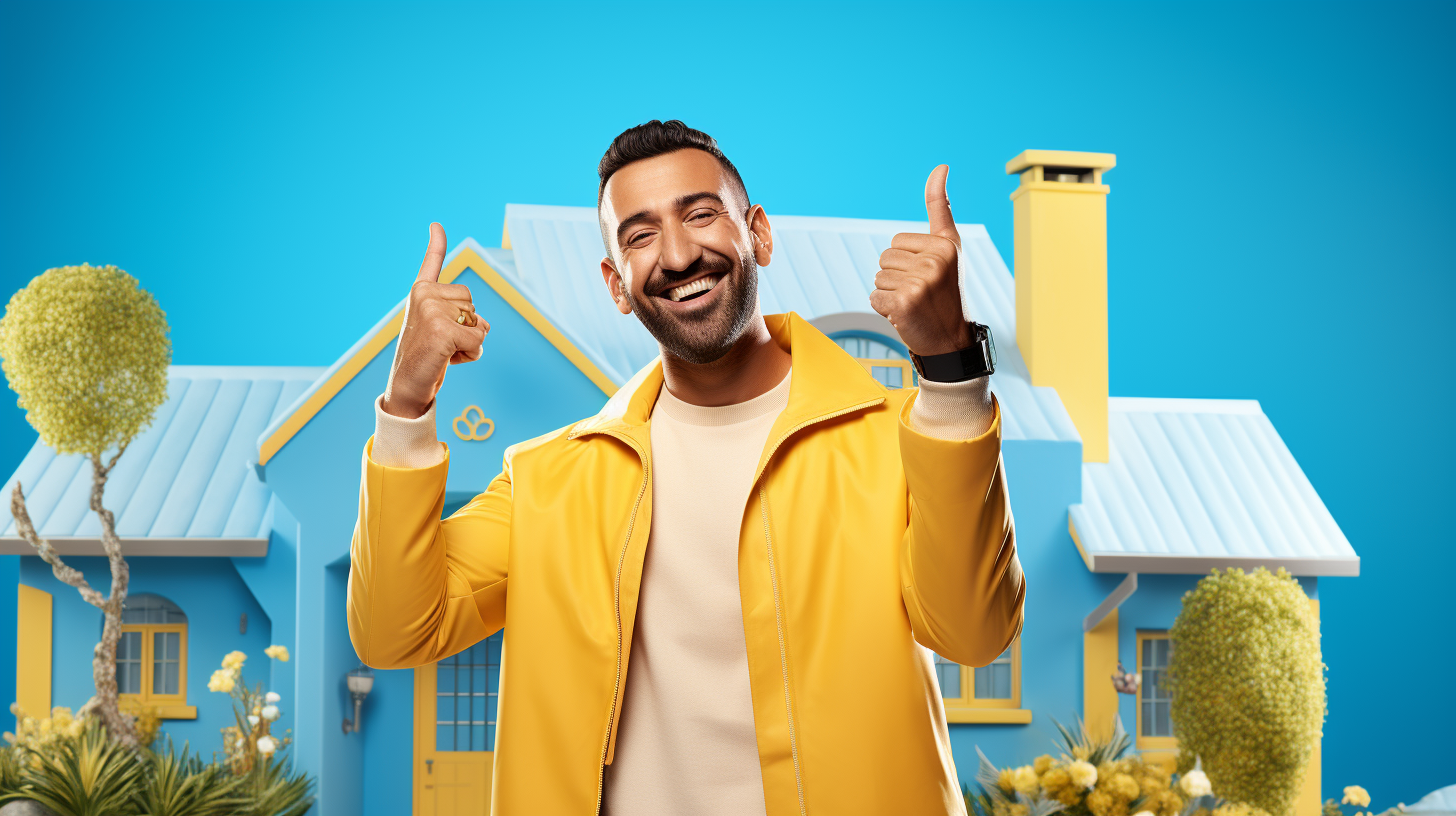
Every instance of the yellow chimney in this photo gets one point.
(1061, 282)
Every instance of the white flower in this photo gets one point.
(1144, 813)
(242, 742)
(266, 745)
(270, 712)
(272, 697)
(253, 720)
(1195, 783)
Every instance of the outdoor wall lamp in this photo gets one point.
(360, 681)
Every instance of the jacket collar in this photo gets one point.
(826, 381)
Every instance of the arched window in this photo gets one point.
(885, 359)
(151, 657)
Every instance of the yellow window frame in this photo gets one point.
(1159, 744)
(969, 709)
(168, 706)
(907, 370)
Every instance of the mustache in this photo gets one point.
(709, 263)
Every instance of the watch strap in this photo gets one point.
(976, 360)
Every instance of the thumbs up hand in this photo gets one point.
(440, 329)
(918, 285)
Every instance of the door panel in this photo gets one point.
(455, 714)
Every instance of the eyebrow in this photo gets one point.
(682, 202)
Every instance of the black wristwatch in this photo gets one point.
(976, 360)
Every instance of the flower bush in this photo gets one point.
(250, 740)
(1096, 777)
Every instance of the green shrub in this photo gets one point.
(1248, 686)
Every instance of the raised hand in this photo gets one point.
(918, 285)
(440, 329)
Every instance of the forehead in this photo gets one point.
(655, 184)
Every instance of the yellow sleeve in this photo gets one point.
(960, 578)
(422, 589)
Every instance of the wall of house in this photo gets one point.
(211, 594)
(1044, 478)
(9, 578)
(527, 388)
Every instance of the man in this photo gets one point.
(717, 589)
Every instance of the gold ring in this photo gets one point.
(466, 318)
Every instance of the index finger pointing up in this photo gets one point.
(434, 255)
(937, 206)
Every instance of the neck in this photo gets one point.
(753, 366)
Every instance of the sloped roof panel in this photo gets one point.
(185, 476)
(1191, 484)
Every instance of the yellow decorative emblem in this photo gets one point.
(474, 426)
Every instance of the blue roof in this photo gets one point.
(185, 476)
(1193, 484)
(821, 266)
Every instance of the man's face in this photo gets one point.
(685, 249)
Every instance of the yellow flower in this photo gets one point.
(222, 680)
(1055, 779)
(1024, 780)
(277, 652)
(1124, 786)
(1020, 810)
(1043, 764)
(233, 660)
(1357, 796)
(1100, 803)
(1005, 779)
(1084, 775)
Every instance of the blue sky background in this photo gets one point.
(268, 171)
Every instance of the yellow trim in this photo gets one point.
(506, 235)
(1099, 662)
(1308, 801)
(967, 701)
(466, 259)
(1060, 158)
(907, 371)
(961, 714)
(168, 706)
(176, 712)
(33, 651)
(1156, 744)
(1072, 528)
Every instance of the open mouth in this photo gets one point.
(693, 289)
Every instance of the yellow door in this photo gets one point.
(455, 707)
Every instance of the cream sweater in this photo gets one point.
(686, 743)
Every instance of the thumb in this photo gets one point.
(434, 255)
(937, 206)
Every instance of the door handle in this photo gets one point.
(429, 766)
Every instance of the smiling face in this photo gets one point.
(685, 250)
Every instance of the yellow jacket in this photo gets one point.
(862, 540)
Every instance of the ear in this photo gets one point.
(614, 286)
(762, 235)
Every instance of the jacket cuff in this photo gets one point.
(405, 443)
(953, 411)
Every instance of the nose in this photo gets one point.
(678, 251)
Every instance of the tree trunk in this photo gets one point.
(103, 665)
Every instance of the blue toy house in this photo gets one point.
(238, 503)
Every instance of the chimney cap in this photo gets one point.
(1060, 158)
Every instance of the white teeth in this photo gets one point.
(700, 285)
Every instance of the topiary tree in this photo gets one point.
(1248, 685)
(87, 351)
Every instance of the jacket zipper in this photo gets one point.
(774, 582)
(617, 606)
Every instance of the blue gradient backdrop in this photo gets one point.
(1274, 227)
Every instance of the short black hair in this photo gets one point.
(654, 139)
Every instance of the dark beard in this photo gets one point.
(705, 338)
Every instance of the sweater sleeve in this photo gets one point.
(405, 443)
(960, 410)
